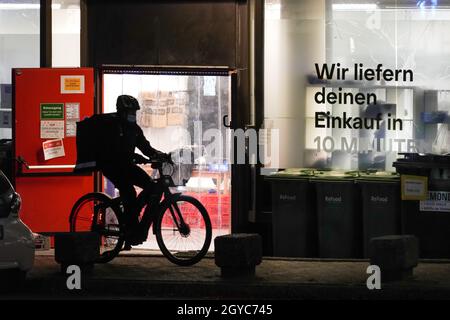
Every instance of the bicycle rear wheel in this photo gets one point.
(94, 212)
(183, 231)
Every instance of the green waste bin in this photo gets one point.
(428, 220)
(294, 222)
(380, 195)
(339, 215)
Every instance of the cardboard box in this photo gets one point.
(176, 116)
(148, 99)
(158, 117)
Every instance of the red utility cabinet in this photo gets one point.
(47, 104)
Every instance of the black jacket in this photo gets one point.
(108, 140)
(122, 139)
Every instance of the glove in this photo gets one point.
(168, 158)
(161, 156)
(138, 159)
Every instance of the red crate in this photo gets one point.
(217, 205)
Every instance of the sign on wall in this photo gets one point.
(72, 117)
(72, 84)
(52, 120)
(53, 149)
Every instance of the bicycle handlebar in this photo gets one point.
(158, 161)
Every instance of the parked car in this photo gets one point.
(17, 248)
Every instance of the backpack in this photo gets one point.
(93, 135)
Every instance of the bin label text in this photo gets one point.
(438, 201)
(331, 199)
(379, 199)
(288, 197)
(414, 187)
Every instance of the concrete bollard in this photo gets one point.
(238, 254)
(396, 255)
(77, 248)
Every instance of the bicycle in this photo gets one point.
(180, 223)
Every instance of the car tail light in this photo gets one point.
(15, 204)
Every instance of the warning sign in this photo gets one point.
(53, 149)
(438, 201)
(72, 84)
(52, 129)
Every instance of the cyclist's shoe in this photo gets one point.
(139, 237)
(130, 236)
(127, 246)
(134, 241)
(134, 237)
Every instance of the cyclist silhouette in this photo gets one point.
(118, 161)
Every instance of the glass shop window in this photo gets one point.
(183, 114)
(394, 96)
(19, 47)
(66, 24)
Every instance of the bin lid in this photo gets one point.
(335, 175)
(379, 176)
(422, 161)
(293, 173)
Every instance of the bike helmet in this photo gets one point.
(127, 103)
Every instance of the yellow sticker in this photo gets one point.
(72, 84)
(414, 187)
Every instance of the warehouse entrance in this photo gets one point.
(182, 113)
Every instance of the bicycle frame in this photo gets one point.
(154, 210)
(153, 202)
(163, 184)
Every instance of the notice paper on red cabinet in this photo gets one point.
(53, 149)
(72, 117)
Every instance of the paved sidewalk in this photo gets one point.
(140, 275)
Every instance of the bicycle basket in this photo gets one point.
(183, 166)
(168, 181)
(181, 173)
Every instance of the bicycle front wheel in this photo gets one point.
(183, 231)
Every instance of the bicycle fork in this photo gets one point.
(170, 201)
